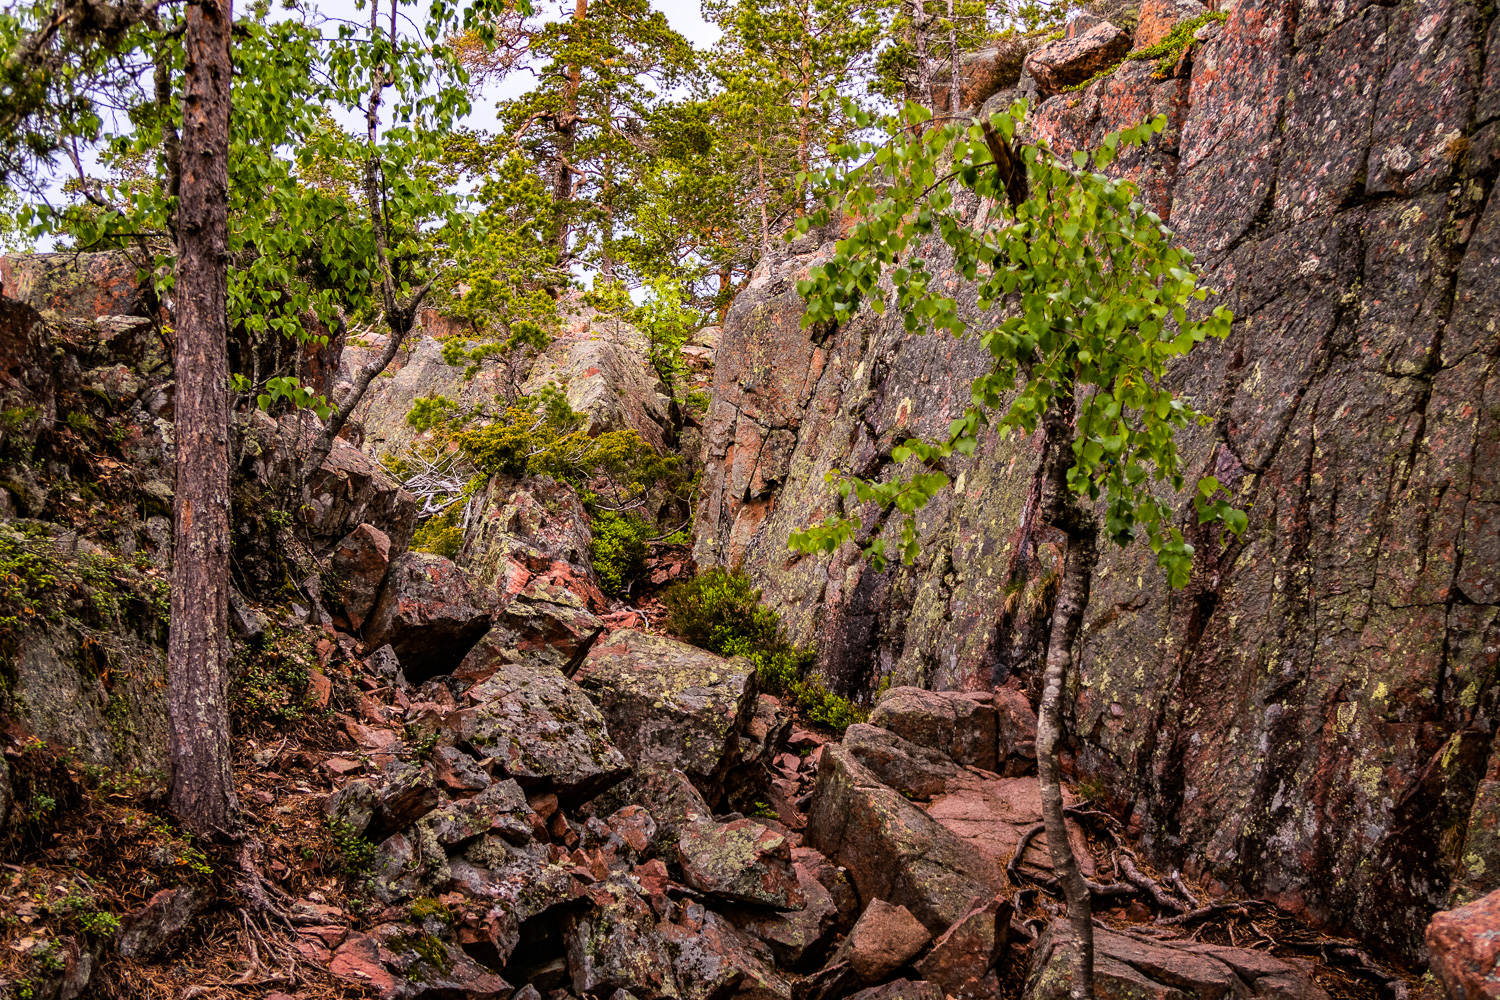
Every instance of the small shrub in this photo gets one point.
(721, 612)
(440, 534)
(618, 551)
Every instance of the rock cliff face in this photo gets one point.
(1309, 719)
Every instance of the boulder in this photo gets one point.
(884, 938)
(982, 74)
(147, 929)
(75, 285)
(349, 489)
(457, 771)
(500, 809)
(962, 961)
(1065, 62)
(407, 793)
(603, 365)
(1128, 967)
(427, 614)
(27, 391)
(893, 850)
(672, 705)
(741, 861)
(915, 770)
(835, 879)
(529, 529)
(797, 938)
(544, 729)
(377, 809)
(1015, 726)
(960, 724)
(401, 962)
(1463, 946)
(614, 945)
(901, 989)
(712, 959)
(359, 562)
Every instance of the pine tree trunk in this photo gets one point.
(198, 648)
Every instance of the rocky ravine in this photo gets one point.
(520, 812)
(1309, 720)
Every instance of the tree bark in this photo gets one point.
(1061, 510)
(202, 794)
(920, 28)
(955, 81)
(1067, 615)
(566, 125)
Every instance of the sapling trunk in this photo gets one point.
(1067, 615)
(1062, 511)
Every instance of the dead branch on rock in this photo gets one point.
(1362, 963)
(1013, 869)
(1182, 889)
(1205, 911)
(1141, 880)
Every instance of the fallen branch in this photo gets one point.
(1363, 963)
(1204, 911)
(1013, 870)
(1140, 879)
(1182, 890)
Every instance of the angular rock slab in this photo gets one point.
(918, 771)
(797, 938)
(672, 705)
(963, 960)
(892, 849)
(427, 614)
(901, 989)
(402, 962)
(741, 861)
(883, 939)
(991, 815)
(1059, 65)
(712, 959)
(360, 561)
(1464, 949)
(962, 725)
(546, 731)
(615, 945)
(1127, 967)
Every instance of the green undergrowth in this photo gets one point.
(617, 474)
(619, 550)
(721, 611)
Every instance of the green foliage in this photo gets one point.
(288, 388)
(1090, 302)
(441, 535)
(663, 317)
(356, 854)
(269, 682)
(618, 550)
(543, 435)
(83, 911)
(1169, 49)
(721, 611)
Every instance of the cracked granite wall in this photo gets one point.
(1311, 717)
